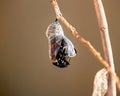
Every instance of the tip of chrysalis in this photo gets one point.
(56, 20)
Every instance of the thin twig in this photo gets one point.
(83, 41)
(103, 26)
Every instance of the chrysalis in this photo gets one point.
(61, 48)
(100, 83)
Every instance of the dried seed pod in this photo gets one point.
(100, 83)
(61, 48)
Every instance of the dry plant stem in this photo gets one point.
(83, 41)
(103, 26)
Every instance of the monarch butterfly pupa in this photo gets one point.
(61, 48)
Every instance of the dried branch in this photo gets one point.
(103, 26)
(83, 41)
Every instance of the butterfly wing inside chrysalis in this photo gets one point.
(61, 51)
(58, 53)
(54, 47)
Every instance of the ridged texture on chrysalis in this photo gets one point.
(61, 48)
(100, 83)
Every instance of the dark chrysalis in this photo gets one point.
(61, 48)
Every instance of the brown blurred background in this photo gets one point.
(25, 68)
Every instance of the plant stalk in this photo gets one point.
(103, 26)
